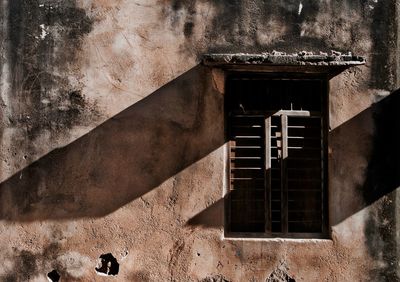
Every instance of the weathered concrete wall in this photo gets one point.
(113, 139)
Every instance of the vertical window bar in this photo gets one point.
(267, 175)
(227, 202)
(284, 190)
(322, 175)
(324, 89)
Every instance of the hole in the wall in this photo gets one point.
(108, 265)
(53, 276)
(198, 254)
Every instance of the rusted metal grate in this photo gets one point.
(276, 157)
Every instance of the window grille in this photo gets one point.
(277, 156)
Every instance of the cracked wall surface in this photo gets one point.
(113, 139)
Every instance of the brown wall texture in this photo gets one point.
(113, 139)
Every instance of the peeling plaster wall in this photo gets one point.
(112, 139)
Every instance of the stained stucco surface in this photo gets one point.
(112, 139)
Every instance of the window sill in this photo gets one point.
(278, 240)
(304, 238)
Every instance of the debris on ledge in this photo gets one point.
(276, 58)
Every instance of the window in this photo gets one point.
(277, 156)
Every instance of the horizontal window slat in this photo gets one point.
(246, 158)
(248, 201)
(247, 126)
(248, 131)
(305, 205)
(304, 190)
(304, 148)
(246, 163)
(304, 142)
(304, 216)
(305, 227)
(305, 132)
(303, 126)
(246, 178)
(304, 174)
(247, 137)
(247, 168)
(245, 153)
(310, 120)
(304, 153)
(248, 141)
(246, 147)
(248, 173)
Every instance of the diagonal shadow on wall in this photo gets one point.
(123, 158)
(375, 133)
(374, 182)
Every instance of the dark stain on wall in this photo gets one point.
(27, 265)
(215, 278)
(382, 179)
(188, 29)
(383, 28)
(288, 15)
(143, 276)
(235, 25)
(45, 39)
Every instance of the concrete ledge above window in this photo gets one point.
(303, 62)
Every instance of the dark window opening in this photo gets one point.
(277, 156)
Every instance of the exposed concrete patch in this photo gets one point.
(281, 58)
(215, 278)
(280, 274)
(74, 264)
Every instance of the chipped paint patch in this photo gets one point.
(44, 31)
(300, 8)
(75, 264)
